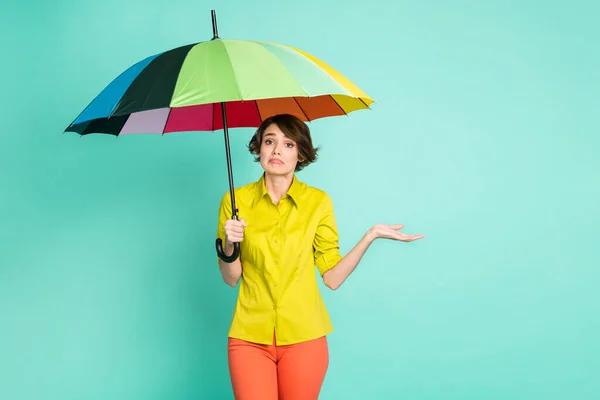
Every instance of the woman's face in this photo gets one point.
(278, 153)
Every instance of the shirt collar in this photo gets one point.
(261, 190)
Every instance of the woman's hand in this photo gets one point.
(392, 232)
(234, 230)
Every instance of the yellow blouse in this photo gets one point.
(282, 244)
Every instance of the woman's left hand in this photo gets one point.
(393, 232)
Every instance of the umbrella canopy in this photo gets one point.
(216, 84)
(182, 90)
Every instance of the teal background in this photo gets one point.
(484, 137)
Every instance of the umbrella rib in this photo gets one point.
(258, 110)
(237, 84)
(362, 101)
(167, 120)
(338, 104)
(301, 109)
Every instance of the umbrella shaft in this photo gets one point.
(229, 169)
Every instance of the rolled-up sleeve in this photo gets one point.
(325, 244)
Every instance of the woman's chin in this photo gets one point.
(278, 170)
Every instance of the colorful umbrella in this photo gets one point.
(219, 84)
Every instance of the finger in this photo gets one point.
(415, 237)
(234, 235)
(392, 230)
(233, 222)
(235, 231)
(235, 238)
(400, 236)
(237, 226)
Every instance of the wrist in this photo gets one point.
(370, 236)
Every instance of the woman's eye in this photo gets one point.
(268, 141)
(289, 145)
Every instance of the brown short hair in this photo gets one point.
(295, 129)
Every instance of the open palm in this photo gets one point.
(393, 232)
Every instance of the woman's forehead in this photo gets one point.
(273, 128)
(275, 133)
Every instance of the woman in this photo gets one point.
(277, 346)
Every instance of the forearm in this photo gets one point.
(231, 272)
(342, 270)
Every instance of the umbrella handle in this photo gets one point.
(225, 257)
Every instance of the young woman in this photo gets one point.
(277, 346)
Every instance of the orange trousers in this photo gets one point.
(271, 372)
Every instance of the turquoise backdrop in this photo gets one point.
(484, 137)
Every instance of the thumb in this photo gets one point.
(397, 226)
(243, 221)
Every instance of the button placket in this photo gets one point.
(276, 262)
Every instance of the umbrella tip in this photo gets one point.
(214, 24)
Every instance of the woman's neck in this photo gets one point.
(278, 185)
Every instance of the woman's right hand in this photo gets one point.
(234, 230)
